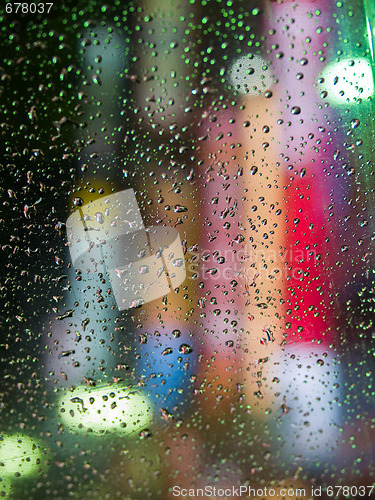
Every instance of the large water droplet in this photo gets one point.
(99, 217)
(178, 262)
(78, 202)
(144, 269)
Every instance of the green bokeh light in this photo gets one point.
(105, 409)
(20, 455)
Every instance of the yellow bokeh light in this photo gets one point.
(105, 409)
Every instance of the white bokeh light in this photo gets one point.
(347, 81)
(251, 75)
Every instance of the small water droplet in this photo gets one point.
(99, 218)
(185, 349)
(78, 202)
(142, 253)
(144, 269)
(211, 271)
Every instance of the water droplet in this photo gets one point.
(180, 208)
(144, 269)
(185, 349)
(178, 262)
(160, 272)
(296, 110)
(211, 271)
(99, 218)
(137, 303)
(145, 433)
(78, 202)
(355, 123)
(67, 314)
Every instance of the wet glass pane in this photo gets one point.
(187, 265)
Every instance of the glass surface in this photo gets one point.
(187, 249)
